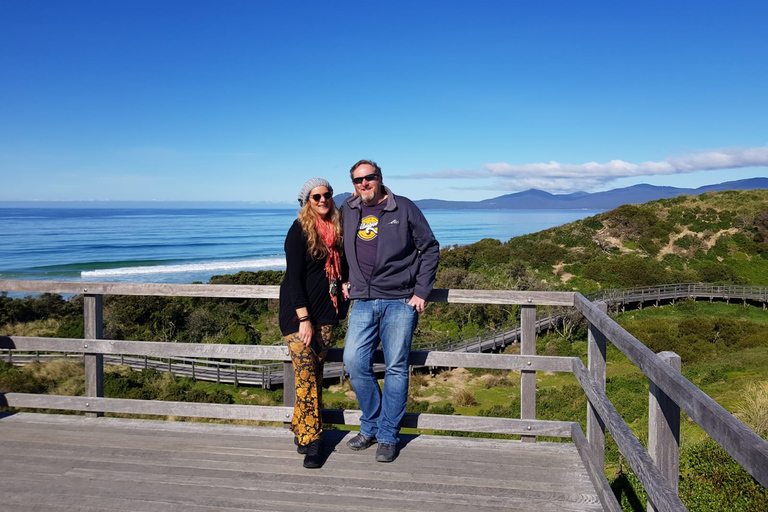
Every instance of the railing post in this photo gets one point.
(94, 363)
(664, 429)
(289, 387)
(596, 365)
(528, 377)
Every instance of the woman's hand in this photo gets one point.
(306, 332)
(345, 290)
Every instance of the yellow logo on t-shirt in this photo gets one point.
(369, 228)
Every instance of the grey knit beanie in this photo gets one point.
(309, 185)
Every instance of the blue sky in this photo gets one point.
(245, 100)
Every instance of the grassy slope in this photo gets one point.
(711, 237)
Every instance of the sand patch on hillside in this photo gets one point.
(707, 242)
(558, 270)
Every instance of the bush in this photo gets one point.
(442, 409)
(464, 398)
(711, 481)
(151, 384)
(503, 411)
(627, 271)
(14, 380)
(416, 406)
(717, 273)
(47, 305)
(753, 407)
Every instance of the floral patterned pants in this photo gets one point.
(307, 422)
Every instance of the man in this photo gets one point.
(392, 256)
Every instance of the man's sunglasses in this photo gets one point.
(370, 177)
(316, 197)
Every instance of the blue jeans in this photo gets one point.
(392, 322)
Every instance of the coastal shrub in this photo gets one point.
(73, 328)
(657, 334)
(629, 394)
(60, 377)
(260, 278)
(711, 481)
(342, 404)
(150, 384)
(502, 411)
(15, 380)
(459, 279)
(564, 403)
(44, 306)
(463, 397)
(760, 227)
(577, 237)
(416, 406)
(488, 251)
(593, 222)
(546, 254)
(442, 409)
(688, 242)
(720, 250)
(753, 407)
(649, 245)
(241, 334)
(495, 381)
(454, 257)
(705, 373)
(627, 271)
(639, 221)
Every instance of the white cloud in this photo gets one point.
(557, 177)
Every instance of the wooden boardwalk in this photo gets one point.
(65, 463)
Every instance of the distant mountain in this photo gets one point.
(539, 200)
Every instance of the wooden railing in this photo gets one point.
(672, 292)
(669, 390)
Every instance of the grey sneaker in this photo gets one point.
(361, 442)
(386, 453)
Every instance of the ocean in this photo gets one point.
(189, 245)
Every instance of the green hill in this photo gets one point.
(716, 237)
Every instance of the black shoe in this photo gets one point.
(386, 453)
(361, 442)
(314, 457)
(300, 448)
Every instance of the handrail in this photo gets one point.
(745, 446)
(610, 295)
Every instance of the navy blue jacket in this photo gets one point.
(406, 256)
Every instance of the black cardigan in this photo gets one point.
(305, 284)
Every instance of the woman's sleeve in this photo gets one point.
(295, 267)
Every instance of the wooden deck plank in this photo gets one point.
(138, 465)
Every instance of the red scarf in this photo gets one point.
(327, 232)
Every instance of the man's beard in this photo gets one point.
(368, 195)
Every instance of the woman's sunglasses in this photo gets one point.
(370, 177)
(316, 197)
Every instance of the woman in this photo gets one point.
(309, 307)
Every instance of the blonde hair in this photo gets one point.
(308, 221)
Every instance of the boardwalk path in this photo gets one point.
(68, 463)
